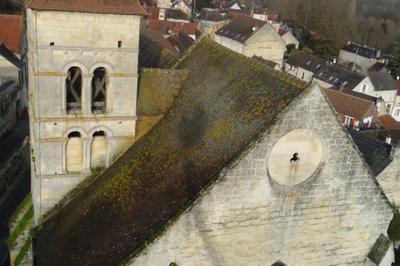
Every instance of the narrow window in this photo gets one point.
(364, 88)
(302, 75)
(74, 152)
(119, 44)
(99, 88)
(73, 85)
(52, 43)
(99, 150)
(278, 263)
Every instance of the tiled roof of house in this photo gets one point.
(338, 76)
(306, 61)
(241, 28)
(388, 122)
(11, 32)
(210, 15)
(350, 105)
(361, 50)
(176, 43)
(153, 12)
(214, 118)
(382, 80)
(375, 153)
(166, 26)
(120, 7)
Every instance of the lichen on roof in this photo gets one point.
(158, 89)
(226, 101)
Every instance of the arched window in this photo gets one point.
(99, 89)
(74, 152)
(73, 85)
(99, 150)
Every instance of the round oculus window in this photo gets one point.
(295, 157)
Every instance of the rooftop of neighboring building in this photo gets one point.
(241, 28)
(210, 15)
(211, 122)
(382, 80)
(377, 67)
(11, 32)
(153, 12)
(176, 42)
(350, 105)
(388, 122)
(304, 60)
(361, 50)
(171, 26)
(376, 153)
(338, 76)
(120, 7)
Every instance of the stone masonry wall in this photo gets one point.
(389, 179)
(244, 219)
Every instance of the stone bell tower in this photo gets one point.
(82, 72)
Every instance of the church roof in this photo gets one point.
(225, 103)
(120, 7)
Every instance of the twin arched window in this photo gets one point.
(73, 85)
(75, 151)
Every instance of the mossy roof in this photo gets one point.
(158, 89)
(225, 103)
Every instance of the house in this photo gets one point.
(209, 21)
(302, 65)
(184, 5)
(249, 37)
(168, 27)
(82, 72)
(396, 107)
(360, 57)
(354, 112)
(167, 14)
(380, 84)
(218, 181)
(289, 38)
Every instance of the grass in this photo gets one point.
(23, 223)
(14, 216)
(22, 253)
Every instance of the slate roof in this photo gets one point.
(382, 80)
(226, 102)
(350, 105)
(338, 76)
(361, 50)
(241, 28)
(120, 7)
(375, 153)
(210, 15)
(11, 32)
(306, 61)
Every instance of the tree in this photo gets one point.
(395, 66)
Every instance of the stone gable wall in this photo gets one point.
(245, 219)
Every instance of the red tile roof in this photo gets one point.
(350, 105)
(121, 7)
(165, 26)
(11, 32)
(388, 122)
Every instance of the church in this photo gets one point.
(247, 166)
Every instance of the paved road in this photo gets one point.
(13, 141)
